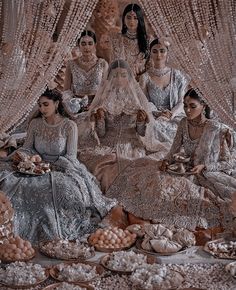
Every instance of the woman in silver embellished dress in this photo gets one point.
(65, 203)
(83, 75)
(131, 44)
(117, 118)
(197, 199)
(164, 88)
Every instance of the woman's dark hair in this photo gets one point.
(119, 63)
(141, 30)
(87, 33)
(156, 41)
(55, 96)
(194, 94)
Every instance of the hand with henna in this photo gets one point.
(142, 116)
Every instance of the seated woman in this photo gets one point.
(118, 116)
(83, 75)
(64, 203)
(192, 202)
(164, 88)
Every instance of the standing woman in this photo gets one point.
(164, 88)
(83, 75)
(132, 43)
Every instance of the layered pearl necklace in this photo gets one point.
(160, 72)
(131, 35)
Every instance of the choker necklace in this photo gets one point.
(197, 124)
(88, 63)
(160, 72)
(131, 35)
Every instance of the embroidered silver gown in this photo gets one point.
(169, 98)
(84, 82)
(119, 143)
(65, 203)
(127, 49)
(173, 200)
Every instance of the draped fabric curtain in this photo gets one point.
(36, 37)
(203, 44)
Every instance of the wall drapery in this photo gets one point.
(29, 58)
(203, 37)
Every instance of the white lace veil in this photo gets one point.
(116, 100)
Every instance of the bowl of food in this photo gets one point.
(112, 239)
(22, 275)
(75, 272)
(67, 250)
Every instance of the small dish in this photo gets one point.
(27, 286)
(105, 259)
(220, 255)
(20, 260)
(54, 272)
(43, 249)
(140, 249)
(110, 250)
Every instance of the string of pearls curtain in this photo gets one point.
(203, 44)
(29, 58)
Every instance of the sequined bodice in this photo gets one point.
(86, 82)
(189, 144)
(127, 49)
(52, 141)
(159, 97)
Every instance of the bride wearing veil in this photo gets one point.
(118, 116)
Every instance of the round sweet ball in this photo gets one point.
(112, 238)
(15, 249)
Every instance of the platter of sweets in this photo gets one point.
(221, 248)
(162, 241)
(67, 250)
(156, 276)
(16, 249)
(124, 262)
(231, 269)
(68, 286)
(22, 275)
(76, 272)
(112, 239)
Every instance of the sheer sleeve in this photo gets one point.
(143, 84)
(28, 146)
(72, 140)
(225, 162)
(141, 128)
(183, 81)
(177, 143)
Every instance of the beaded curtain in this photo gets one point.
(29, 54)
(203, 44)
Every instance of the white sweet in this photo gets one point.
(64, 249)
(76, 272)
(126, 261)
(21, 273)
